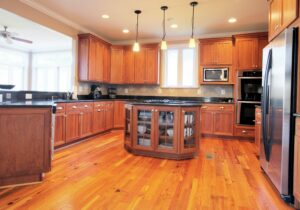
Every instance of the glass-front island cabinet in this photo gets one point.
(162, 130)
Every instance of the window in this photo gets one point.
(52, 71)
(14, 68)
(180, 67)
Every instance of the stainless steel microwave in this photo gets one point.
(215, 74)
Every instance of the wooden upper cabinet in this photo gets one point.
(248, 50)
(139, 66)
(93, 59)
(281, 14)
(117, 65)
(216, 52)
(151, 74)
(128, 65)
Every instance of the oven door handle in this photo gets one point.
(265, 107)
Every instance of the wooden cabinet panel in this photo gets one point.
(119, 114)
(109, 115)
(207, 56)
(98, 120)
(207, 122)
(297, 162)
(247, 53)
(223, 123)
(275, 16)
(139, 66)
(92, 68)
(72, 126)
(262, 42)
(117, 65)
(244, 131)
(106, 63)
(289, 11)
(86, 123)
(257, 136)
(25, 144)
(129, 66)
(151, 74)
(99, 62)
(224, 53)
(60, 126)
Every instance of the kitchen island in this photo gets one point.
(162, 128)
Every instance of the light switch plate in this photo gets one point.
(223, 92)
(28, 96)
(126, 90)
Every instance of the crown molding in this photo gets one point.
(60, 18)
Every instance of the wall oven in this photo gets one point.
(215, 74)
(249, 86)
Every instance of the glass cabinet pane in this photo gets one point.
(166, 129)
(189, 120)
(144, 128)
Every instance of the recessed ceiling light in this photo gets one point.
(105, 16)
(125, 31)
(174, 26)
(232, 20)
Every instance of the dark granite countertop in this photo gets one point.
(36, 104)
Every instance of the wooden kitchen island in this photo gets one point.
(162, 129)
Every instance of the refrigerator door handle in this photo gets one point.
(265, 106)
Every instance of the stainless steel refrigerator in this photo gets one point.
(278, 106)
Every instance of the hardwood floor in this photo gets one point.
(100, 174)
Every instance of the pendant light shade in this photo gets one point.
(136, 45)
(192, 43)
(163, 45)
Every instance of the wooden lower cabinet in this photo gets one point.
(244, 131)
(162, 131)
(257, 129)
(297, 164)
(109, 115)
(60, 125)
(217, 119)
(98, 118)
(86, 123)
(25, 144)
(119, 114)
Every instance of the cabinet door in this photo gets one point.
(119, 114)
(262, 42)
(247, 53)
(166, 136)
(72, 126)
(189, 125)
(116, 65)
(86, 123)
(143, 130)
(297, 163)
(60, 127)
(109, 115)
(139, 66)
(206, 121)
(289, 12)
(151, 66)
(129, 66)
(98, 120)
(224, 53)
(223, 123)
(92, 59)
(207, 55)
(275, 17)
(106, 63)
(99, 61)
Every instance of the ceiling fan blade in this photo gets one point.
(22, 40)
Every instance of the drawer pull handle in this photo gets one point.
(222, 107)
(59, 108)
(74, 107)
(86, 106)
(244, 131)
(204, 107)
(99, 110)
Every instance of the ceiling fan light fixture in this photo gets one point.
(192, 43)
(163, 45)
(136, 45)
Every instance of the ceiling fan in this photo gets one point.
(9, 36)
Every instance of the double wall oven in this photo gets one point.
(249, 96)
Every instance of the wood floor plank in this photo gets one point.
(100, 174)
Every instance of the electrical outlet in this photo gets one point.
(199, 91)
(126, 90)
(1, 98)
(8, 96)
(223, 92)
(28, 96)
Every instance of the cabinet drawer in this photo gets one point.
(217, 107)
(99, 105)
(60, 108)
(85, 105)
(72, 107)
(244, 132)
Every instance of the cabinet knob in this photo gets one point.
(59, 108)
(204, 107)
(86, 106)
(244, 131)
(74, 107)
(183, 111)
(99, 110)
(152, 110)
(155, 110)
(222, 107)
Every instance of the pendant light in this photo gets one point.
(163, 45)
(136, 45)
(192, 43)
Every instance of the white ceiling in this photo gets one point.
(44, 39)
(211, 16)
